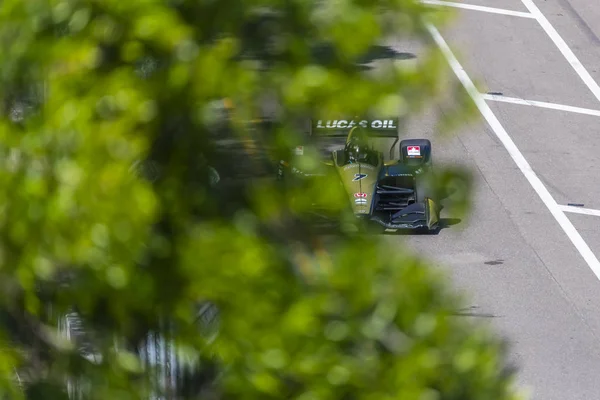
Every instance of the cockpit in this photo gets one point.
(357, 150)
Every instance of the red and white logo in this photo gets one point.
(360, 195)
(413, 150)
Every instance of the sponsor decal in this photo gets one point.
(358, 177)
(413, 150)
(360, 195)
(360, 201)
(362, 166)
(299, 150)
(343, 124)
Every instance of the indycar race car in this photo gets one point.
(394, 194)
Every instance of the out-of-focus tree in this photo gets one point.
(112, 114)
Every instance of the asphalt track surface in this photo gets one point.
(524, 259)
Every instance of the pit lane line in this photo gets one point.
(580, 210)
(492, 10)
(485, 110)
(541, 104)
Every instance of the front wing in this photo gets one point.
(423, 215)
(391, 209)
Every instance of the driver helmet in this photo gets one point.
(357, 149)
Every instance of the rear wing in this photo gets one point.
(341, 127)
(384, 128)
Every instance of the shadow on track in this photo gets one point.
(325, 54)
(470, 312)
(336, 229)
(444, 223)
(384, 52)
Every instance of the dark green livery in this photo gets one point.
(396, 194)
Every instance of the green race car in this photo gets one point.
(395, 194)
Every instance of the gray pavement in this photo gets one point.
(514, 56)
(520, 270)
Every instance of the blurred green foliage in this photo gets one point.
(93, 90)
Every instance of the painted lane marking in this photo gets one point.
(542, 104)
(564, 222)
(564, 48)
(491, 10)
(580, 210)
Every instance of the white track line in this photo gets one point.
(564, 48)
(492, 10)
(503, 136)
(542, 104)
(580, 210)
